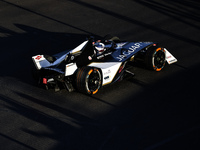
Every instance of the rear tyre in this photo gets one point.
(155, 58)
(88, 80)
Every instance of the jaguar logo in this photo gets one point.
(129, 51)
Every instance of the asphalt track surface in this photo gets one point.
(151, 111)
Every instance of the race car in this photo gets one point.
(94, 64)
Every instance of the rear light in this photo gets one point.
(44, 80)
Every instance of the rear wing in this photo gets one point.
(41, 62)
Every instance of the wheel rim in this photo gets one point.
(93, 81)
(158, 59)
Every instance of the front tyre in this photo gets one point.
(88, 80)
(155, 58)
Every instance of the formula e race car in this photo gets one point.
(94, 64)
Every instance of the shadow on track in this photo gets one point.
(151, 119)
(29, 115)
(60, 133)
(47, 17)
(146, 25)
(165, 115)
(181, 10)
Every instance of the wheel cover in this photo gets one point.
(93, 81)
(158, 59)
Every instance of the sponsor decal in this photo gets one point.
(107, 72)
(38, 57)
(121, 57)
(134, 47)
(104, 55)
(171, 61)
(100, 57)
(108, 54)
(169, 57)
(129, 51)
(107, 77)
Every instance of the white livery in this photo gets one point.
(94, 64)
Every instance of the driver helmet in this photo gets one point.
(100, 47)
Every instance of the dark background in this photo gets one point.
(151, 111)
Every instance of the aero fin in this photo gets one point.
(83, 59)
(169, 57)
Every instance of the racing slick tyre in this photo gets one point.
(155, 58)
(88, 80)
